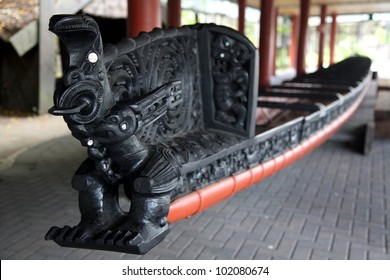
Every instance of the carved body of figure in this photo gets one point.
(229, 102)
(148, 172)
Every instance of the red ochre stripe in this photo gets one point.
(210, 195)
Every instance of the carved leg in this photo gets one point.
(150, 201)
(147, 222)
(147, 218)
(240, 112)
(98, 201)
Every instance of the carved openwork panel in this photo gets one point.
(228, 64)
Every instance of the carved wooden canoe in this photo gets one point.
(176, 118)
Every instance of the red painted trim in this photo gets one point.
(206, 197)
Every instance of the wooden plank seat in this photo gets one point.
(320, 87)
(317, 86)
(170, 116)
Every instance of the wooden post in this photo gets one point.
(332, 42)
(304, 18)
(293, 41)
(322, 32)
(46, 57)
(275, 41)
(241, 16)
(266, 38)
(174, 13)
(143, 16)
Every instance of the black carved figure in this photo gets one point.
(83, 99)
(107, 125)
(140, 110)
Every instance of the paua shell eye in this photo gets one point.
(123, 126)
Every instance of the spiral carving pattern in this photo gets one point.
(138, 72)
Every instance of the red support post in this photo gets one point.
(332, 42)
(174, 13)
(266, 39)
(322, 32)
(275, 41)
(304, 18)
(241, 16)
(143, 16)
(293, 40)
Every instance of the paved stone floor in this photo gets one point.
(332, 204)
(18, 134)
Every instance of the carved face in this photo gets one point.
(118, 125)
(84, 97)
(80, 97)
(227, 50)
(81, 37)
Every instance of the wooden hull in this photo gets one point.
(201, 199)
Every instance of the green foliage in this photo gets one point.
(188, 17)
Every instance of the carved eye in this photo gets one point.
(226, 42)
(75, 75)
(93, 57)
(114, 119)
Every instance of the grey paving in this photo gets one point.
(332, 204)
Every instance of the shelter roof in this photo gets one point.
(291, 7)
(14, 15)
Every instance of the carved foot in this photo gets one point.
(147, 219)
(111, 240)
(91, 229)
(144, 237)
